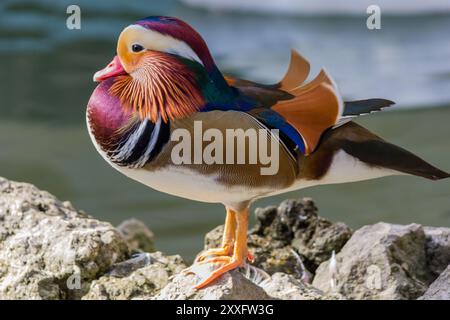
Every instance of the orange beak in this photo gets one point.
(113, 69)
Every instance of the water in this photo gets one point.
(46, 81)
(322, 7)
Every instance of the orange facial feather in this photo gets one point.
(159, 85)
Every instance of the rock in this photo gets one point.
(437, 250)
(247, 283)
(324, 238)
(286, 287)
(213, 238)
(231, 286)
(48, 250)
(440, 288)
(138, 278)
(295, 224)
(288, 232)
(380, 261)
(137, 235)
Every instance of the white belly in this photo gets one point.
(189, 184)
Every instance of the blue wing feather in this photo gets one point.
(274, 120)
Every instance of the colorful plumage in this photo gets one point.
(164, 79)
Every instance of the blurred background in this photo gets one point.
(46, 81)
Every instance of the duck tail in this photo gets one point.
(374, 151)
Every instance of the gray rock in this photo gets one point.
(48, 250)
(295, 224)
(247, 283)
(231, 286)
(440, 288)
(286, 287)
(437, 250)
(138, 236)
(125, 268)
(138, 278)
(285, 233)
(213, 238)
(380, 261)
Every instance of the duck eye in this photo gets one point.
(137, 48)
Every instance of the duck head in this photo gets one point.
(161, 68)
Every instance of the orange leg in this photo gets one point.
(239, 252)
(227, 241)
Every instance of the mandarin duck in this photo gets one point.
(164, 79)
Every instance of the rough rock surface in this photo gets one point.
(286, 287)
(138, 236)
(287, 236)
(380, 261)
(231, 286)
(440, 288)
(247, 283)
(437, 250)
(138, 278)
(48, 250)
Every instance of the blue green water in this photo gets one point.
(45, 83)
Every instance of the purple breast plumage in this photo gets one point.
(125, 139)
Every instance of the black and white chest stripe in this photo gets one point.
(140, 144)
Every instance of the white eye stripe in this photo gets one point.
(152, 40)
